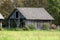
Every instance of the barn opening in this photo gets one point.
(22, 23)
(13, 23)
(16, 14)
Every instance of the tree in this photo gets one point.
(54, 10)
(35, 3)
(6, 7)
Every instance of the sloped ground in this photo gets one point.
(29, 35)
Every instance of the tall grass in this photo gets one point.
(30, 35)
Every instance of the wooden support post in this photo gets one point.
(9, 23)
(1, 25)
(18, 23)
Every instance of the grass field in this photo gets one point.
(29, 35)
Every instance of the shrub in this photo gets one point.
(18, 29)
(46, 26)
(1, 29)
(13, 29)
(29, 27)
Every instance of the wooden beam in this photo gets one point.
(0, 24)
(9, 23)
(18, 23)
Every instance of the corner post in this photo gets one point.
(9, 23)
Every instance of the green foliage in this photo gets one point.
(1, 29)
(18, 29)
(54, 10)
(29, 27)
(35, 3)
(46, 26)
(6, 8)
(13, 29)
(29, 35)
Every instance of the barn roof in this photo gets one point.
(35, 13)
(1, 17)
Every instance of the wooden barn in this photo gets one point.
(1, 20)
(21, 17)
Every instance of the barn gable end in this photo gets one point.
(16, 14)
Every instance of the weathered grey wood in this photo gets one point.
(9, 23)
(13, 16)
(0, 24)
(17, 22)
(38, 21)
(38, 24)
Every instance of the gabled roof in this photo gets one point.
(35, 13)
(1, 17)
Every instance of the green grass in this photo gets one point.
(29, 35)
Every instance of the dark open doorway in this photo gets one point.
(22, 23)
(14, 25)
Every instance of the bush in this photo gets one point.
(18, 29)
(1, 29)
(29, 27)
(26, 28)
(11, 29)
(46, 26)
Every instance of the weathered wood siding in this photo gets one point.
(16, 16)
(38, 24)
(1, 23)
(29, 22)
(13, 16)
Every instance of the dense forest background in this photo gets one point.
(52, 6)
